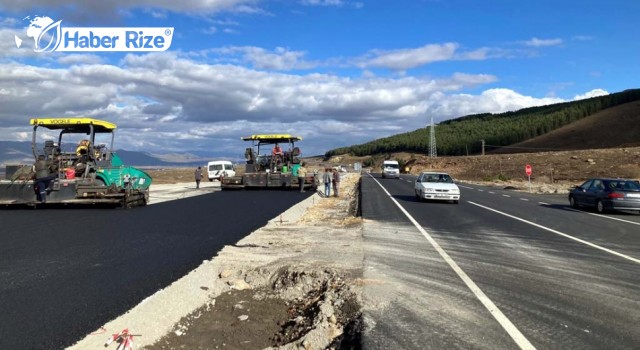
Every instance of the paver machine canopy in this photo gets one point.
(280, 151)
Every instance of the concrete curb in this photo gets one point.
(294, 213)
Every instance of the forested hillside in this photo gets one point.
(463, 135)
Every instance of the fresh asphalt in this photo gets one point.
(543, 275)
(66, 272)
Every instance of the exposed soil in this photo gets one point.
(234, 320)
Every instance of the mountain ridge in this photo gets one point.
(19, 152)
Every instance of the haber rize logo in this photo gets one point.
(49, 35)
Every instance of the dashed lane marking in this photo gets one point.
(524, 199)
(506, 195)
(559, 233)
(508, 326)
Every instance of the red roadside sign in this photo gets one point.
(527, 169)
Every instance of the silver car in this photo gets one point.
(432, 185)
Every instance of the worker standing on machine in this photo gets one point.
(45, 173)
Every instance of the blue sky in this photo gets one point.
(335, 72)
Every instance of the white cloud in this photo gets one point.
(80, 59)
(9, 22)
(443, 106)
(590, 94)
(109, 7)
(337, 3)
(582, 37)
(159, 14)
(168, 103)
(279, 59)
(322, 2)
(403, 59)
(8, 46)
(535, 42)
(210, 30)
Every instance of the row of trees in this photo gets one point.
(461, 136)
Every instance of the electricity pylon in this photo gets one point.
(433, 152)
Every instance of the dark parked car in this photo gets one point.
(607, 194)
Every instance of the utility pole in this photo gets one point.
(482, 146)
(433, 153)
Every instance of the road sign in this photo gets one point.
(527, 169)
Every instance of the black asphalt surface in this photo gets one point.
(560, 293)
(64, 273)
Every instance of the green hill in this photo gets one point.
(462, 136)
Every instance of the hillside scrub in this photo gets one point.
(462, 136)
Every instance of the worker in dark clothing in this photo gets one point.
(198, 177)
(45, 173)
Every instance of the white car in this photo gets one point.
(436, 186)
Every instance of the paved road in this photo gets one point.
(64, 273)
(501, 270)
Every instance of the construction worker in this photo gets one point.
(198, 176)
(83, 148)
(277, 151)
(336, 182)
(302, 174)
(327, 177)
(276, 157)
(45, 173)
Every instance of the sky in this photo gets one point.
(335, 72)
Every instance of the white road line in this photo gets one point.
(523, 199)
(492, 192)
(605, 217)
(559, 233)
(543, 203)
(508, 326)
(467, 187)
(506, 195)
(480, 190)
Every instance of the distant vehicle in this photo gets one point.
(87, 172)
(272, 162)
(436, 186)
(606, 194)
(220, 168)
(340, 168)
(391, 168)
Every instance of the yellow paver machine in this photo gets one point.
(272, 162)
(71, 167)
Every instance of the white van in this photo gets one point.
(391, 168)
(218, 168)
